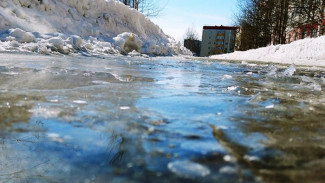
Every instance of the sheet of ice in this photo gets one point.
(81, 26)
(308, 51)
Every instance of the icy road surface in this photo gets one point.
(118, 119)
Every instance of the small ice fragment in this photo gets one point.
(151, 130)
(272, 70)
(55, 137)
(255, 98)
(270, 106)
(315, 87)
(188, 169)
(322, 80)
(307, 79)
(249, 73)
(45, 112)
(100, 82)
(232, 88)
(226, 77)
(129, 165)
(219, 113)
(228, 170)
(203, 148)
(229, 158)
(79, 102)
(134, 53)
(54, 100)
(125, 108)
(221, 127)
(251, 158)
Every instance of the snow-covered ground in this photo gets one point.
(81, 26)
(308, 51)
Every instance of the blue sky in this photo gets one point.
(178, 15)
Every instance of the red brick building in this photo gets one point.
(304, 31)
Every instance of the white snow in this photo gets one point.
(81, 26)
(308, 51)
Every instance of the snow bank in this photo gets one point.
(308, 51)
(88, 26)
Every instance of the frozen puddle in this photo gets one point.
(132, 119)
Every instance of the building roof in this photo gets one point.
(220, 27)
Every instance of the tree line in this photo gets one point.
(265, 22)
(149, 8)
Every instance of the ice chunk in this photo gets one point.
(124, 107)
(256, 98)
(135, 54)
(56, 43)
(322, 81)
(228, 170)
(314, 87)
(307, 79)
(203, 147)
(22, 36)
(80, 102)
(270, 106)
(55, 137)
(226, 77)
(232, 88)
(188, 169)
(312, 84)
(289, 71)
(76, 41)
(128, 42)
(272, 70)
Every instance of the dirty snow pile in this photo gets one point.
(81, 26)
(308, 51)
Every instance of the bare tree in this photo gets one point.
(321, 18)
(191, 34)
(191, 40)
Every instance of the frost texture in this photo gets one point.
(86, 26)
